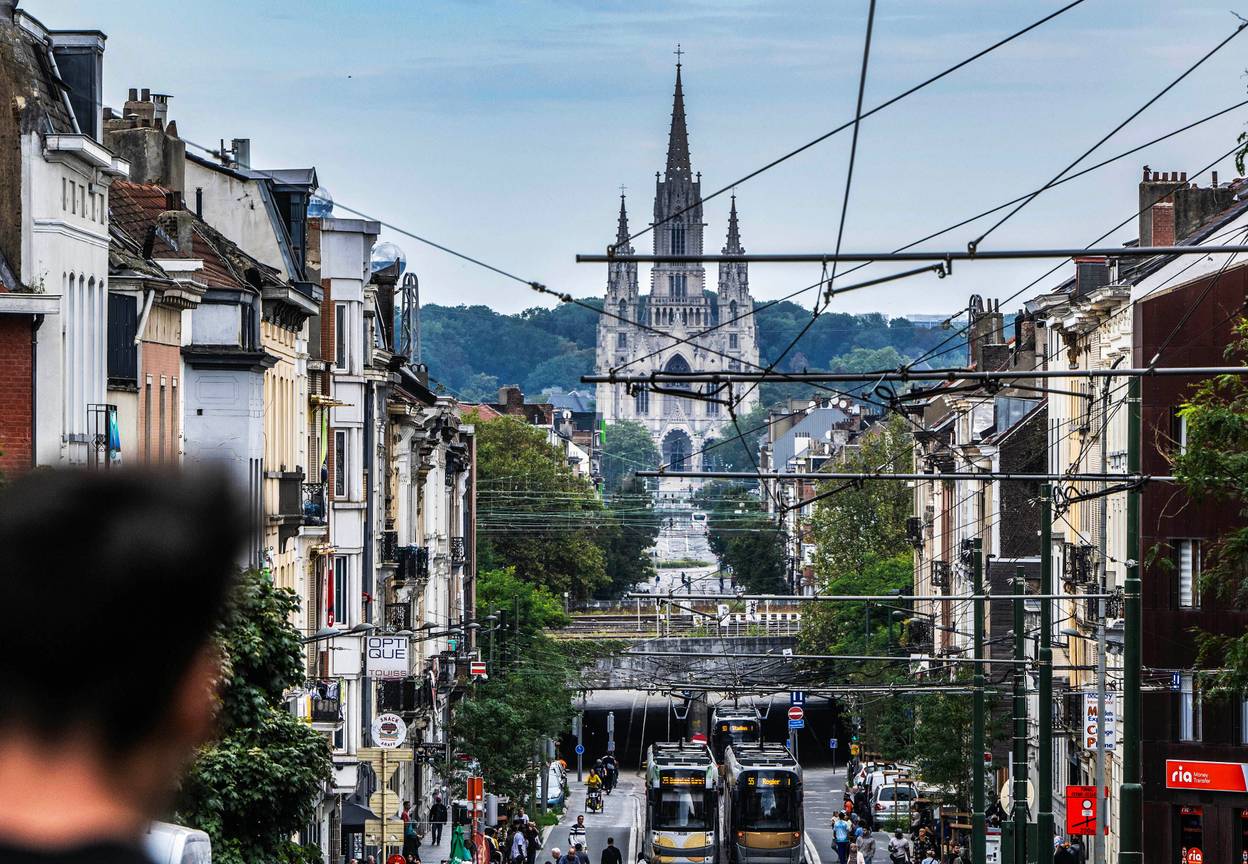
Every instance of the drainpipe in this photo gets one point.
(148, 297)
(36, 322)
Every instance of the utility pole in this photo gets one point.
(979, 826)
(1044, 794)
(1131, 798)
(1020, 723)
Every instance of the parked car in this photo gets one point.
(166, 843)
(557, 785)
(892, 801)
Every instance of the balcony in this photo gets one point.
(326, 711)
(314, 508)
(390, 547)
(399, 616)
(459, 554)
(406, 696)
(413, 564)
(284, 502)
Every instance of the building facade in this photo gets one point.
(643, 333)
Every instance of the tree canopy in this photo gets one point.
(747, 541)
(256, 786)
(627, 447)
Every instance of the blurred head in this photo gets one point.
(897, 833)
(131, 568)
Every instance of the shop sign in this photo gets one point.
(1207, 776)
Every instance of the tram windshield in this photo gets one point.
(768, 802)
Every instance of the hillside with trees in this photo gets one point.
(472, 350)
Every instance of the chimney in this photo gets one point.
(144, 138)
(160, 108)
(7, 8)
(1171, 208)
(987, 328)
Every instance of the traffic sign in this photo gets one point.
(797, 697)
(854, 749)
(797, 724)
(832, 743)
(580, 749)
(476, 669)
(796, 712)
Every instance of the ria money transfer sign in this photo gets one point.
(1207, 776)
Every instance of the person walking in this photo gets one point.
(900, 849)
(582, 857)
(459, 845)
(519, 847)
(866, 845)
(576, 834)
(437, 819)
(534, 838)
(841, 830)
(610, 854)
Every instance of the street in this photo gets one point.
(615, 820)
(823, 790)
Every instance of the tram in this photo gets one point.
(682, 804)
(731, 725)
(763, 821)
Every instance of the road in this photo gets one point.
(823, 795)
(615, 820)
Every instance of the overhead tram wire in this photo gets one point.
(689, 340)
(974, 244)
(887, 103)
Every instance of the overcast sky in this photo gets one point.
(504, 129)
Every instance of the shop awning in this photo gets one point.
(354, 814)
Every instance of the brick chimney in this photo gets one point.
(1171, 208)
(987, 334)
(511, 398)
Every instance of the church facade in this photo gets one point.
(642, 333)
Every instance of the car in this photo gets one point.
(892, 801)
(166, 843)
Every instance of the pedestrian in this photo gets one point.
(556, 857)
(519, 847)
(576, 834)
(900, 850)
(521, 818)
(961, 854)
(459, 845)
(534, 841)
(840, 837)
(610, 854)
(862, 806)
(411, 834)
(855, 856)
(929, 856)
(1064, 854)
(866, 844)
(437, 819)
(582, 857)
(84, 784)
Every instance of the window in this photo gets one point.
(679, 285)
(338, 599)
(732, 340)
(164, 383)
(621, 340)
(1243, 720)
(623, 309)
(94, 208)
(641, 401)
(1188, 573)
(1189, 708)
(732, 310)
(341, 361)
(340, 463)
(64, 193)
(175, 448)
(147, 420)
(712, 409)
(678, 238)
(1191, 833)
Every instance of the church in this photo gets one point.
(642, 332)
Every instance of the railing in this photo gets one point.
(458, 553)
(326, 710)
(405, 695)
(289, 495)
(413, 563)
(314, 504)
(399, 616)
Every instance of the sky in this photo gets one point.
(505, 129)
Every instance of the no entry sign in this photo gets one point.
(796, 712)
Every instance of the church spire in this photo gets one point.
(734, 232)
(678, 138)
(621, 231)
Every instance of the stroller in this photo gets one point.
(593, 801)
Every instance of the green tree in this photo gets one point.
(746, 540)
(257, 785)
(1214, 467)
(627, 447)
(627, 539)
(536, 515)
(526, 697)
(733, 451)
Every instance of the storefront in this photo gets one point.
(1209, 813)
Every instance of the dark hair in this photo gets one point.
(115, 581)
(610, 841)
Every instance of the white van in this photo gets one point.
(173, 844)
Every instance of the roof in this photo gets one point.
(815, 424)
(140, 213)
(285, 176)
(576, 401)
(25, 62)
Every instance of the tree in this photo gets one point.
(627, 539)
(866, 521)
(536, 514)
(526, 698)
(257, 785)
(746, 540)
(627, 447)
(733, 451)
(1214, 466)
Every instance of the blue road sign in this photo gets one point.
(797, 697)
(797, 724)
(580, 749)
(1176, 681)
(832, 743)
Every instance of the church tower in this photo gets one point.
(679, 326)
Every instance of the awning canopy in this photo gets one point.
(354, 814)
